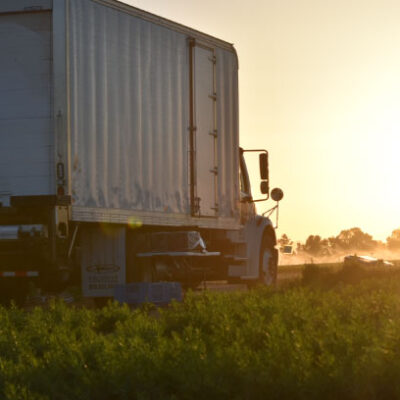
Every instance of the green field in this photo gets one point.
(296, 271)
(334, 335)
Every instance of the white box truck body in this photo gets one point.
(112, 116)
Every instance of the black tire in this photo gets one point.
(268, 263)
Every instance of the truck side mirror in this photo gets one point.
(277, 194)
(264, 187)
(264, 170)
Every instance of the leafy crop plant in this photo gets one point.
(294, 343)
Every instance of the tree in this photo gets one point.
(393, 241)
(333, 242)
(313, 244)
(355, 238)
(347, 240)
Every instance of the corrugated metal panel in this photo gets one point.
(25, 104)
(147, 16)
(129, 107)
(129, 88)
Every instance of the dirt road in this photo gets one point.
(284, 276)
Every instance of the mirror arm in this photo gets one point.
(255, 151)
(249, 199)
(255, 201)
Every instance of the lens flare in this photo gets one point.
(134, 222)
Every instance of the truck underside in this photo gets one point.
(41, 248)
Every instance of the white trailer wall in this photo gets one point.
(129, 105)
(26, 146)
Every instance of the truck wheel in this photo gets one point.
(268, 261)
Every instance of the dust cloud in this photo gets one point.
(305, 258)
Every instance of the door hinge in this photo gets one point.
(196, 206)
(214, 171)
(215, 208)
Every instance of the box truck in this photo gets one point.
(119, 153)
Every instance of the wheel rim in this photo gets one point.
(266, 273)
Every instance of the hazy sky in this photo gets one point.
(319, 84)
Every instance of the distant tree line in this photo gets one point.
(347, 240)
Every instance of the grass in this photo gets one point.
(332, 335)
(330, 271)
(299, 268)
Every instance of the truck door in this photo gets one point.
(25, 104)
(204, 163)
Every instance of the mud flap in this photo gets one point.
(102, 259)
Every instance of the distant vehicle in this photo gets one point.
(288, 249)
(366, 261)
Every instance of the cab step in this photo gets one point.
(235, 258)
(249, 277)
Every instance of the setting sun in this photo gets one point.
(320, 89)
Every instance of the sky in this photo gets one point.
(319, 87)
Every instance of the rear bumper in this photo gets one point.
(22, 232)
(19, 274)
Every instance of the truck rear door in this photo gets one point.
(25, 104)
(205, 132)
